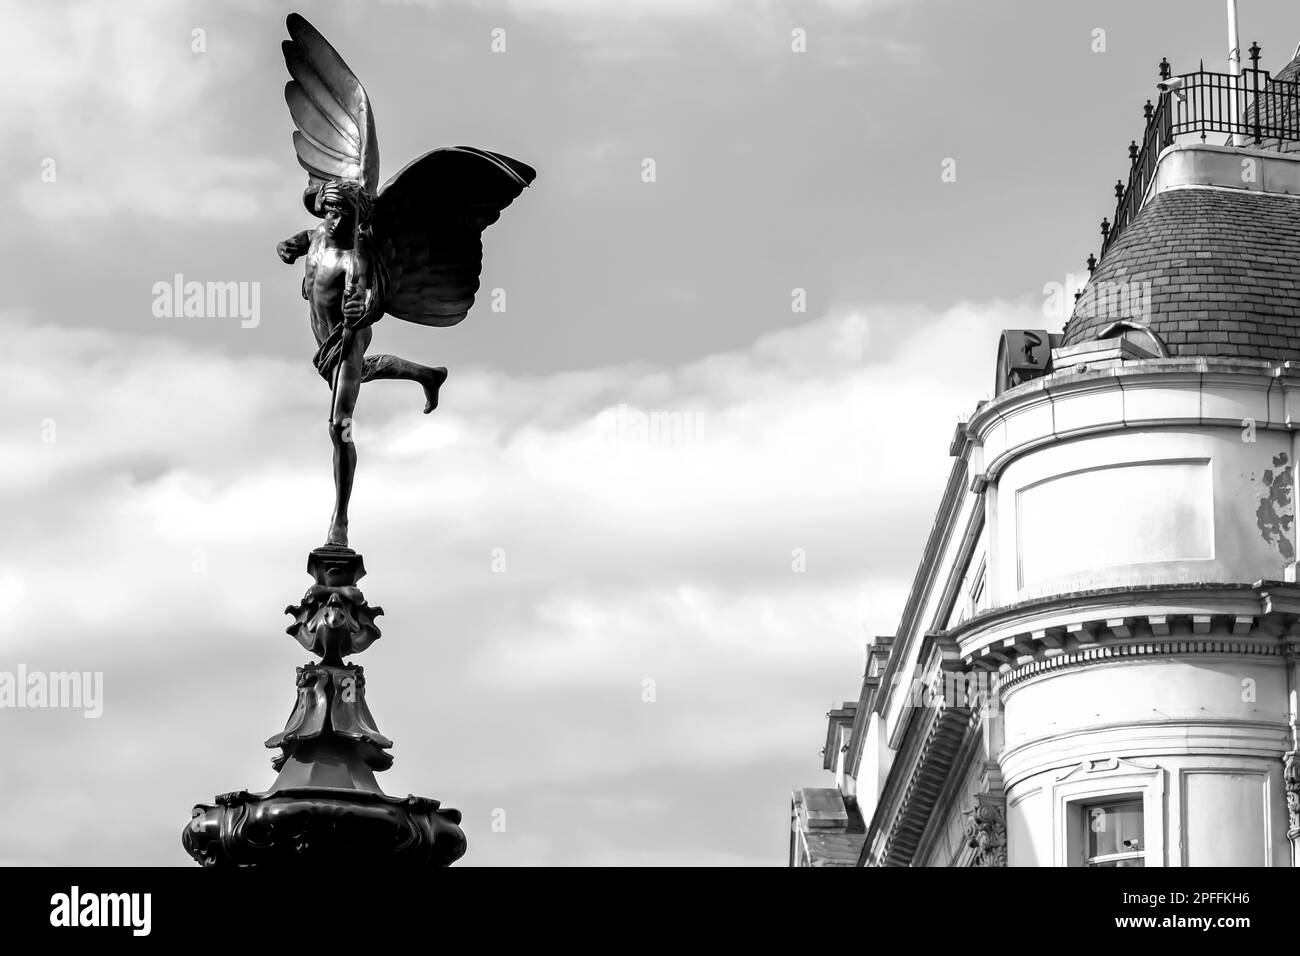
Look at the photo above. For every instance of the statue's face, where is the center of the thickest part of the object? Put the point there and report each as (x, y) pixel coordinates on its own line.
(338, 220)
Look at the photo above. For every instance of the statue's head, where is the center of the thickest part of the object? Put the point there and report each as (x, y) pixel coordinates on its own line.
(344, 205)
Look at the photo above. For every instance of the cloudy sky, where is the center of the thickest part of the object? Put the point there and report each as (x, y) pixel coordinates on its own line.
(164, 477)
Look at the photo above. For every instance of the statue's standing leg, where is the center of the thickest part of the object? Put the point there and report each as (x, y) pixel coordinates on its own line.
(350, 376)
(392, 366)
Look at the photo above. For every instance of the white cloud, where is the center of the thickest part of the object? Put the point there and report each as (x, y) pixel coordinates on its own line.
(163, 530)
(122, 105)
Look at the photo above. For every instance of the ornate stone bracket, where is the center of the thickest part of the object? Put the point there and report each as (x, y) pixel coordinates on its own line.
(1024, 655)
(1291, 784)
(986, 830)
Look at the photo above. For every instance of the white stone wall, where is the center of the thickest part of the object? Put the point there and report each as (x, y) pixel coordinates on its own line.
(1146, 479)
(1146, 506)
(1138, 475)
(1197, 737)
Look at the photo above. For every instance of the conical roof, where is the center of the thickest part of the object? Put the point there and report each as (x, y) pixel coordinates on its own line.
(1213, 270)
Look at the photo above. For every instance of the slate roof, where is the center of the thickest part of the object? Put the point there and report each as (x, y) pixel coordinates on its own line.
(1223, 267)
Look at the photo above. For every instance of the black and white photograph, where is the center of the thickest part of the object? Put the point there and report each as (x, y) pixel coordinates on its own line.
(643, 435)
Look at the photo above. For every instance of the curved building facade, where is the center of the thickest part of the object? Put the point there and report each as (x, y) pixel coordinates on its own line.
(1096, 664)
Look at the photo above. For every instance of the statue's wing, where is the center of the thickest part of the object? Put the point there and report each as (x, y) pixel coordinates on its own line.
(335, 138)
(428, 225)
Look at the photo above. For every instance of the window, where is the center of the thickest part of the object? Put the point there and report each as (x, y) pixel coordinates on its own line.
(1132, 795)
(971, 599)
(977, 587)
(1113, 834)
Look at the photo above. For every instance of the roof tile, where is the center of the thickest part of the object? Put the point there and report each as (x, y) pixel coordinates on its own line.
(1214, 272)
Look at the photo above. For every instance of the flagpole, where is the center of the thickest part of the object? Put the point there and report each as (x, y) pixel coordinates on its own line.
(1234, 70)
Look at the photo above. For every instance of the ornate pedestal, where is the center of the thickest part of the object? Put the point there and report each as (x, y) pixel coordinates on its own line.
(325, 806)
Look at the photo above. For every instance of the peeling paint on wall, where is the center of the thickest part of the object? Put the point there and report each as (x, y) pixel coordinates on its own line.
(1276, 510)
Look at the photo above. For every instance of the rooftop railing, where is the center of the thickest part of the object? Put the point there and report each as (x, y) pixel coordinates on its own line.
(1252, 109)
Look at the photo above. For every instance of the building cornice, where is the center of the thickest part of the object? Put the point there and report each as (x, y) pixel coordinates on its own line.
(1200, 165)
(996, 635)
(1109, 648)
(907, 803)
(952, 792)
(1147, 393)
(842, 716)
(1035, 638)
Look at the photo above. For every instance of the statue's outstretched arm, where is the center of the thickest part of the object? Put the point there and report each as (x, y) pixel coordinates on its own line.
(294, 247)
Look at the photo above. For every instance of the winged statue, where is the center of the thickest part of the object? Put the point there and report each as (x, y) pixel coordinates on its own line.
(411, 249)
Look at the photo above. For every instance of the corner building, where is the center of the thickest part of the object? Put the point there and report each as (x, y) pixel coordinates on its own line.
(1096, 664)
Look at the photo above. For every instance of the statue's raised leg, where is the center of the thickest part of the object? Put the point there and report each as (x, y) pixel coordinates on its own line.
(393, 366)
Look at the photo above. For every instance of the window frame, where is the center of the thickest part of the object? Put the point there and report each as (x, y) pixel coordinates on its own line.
(1110, 804)
(1107, 780)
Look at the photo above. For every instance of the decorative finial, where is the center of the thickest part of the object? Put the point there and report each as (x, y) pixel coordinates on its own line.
(1133, 151)
(1148, 110)
(1092, 263)
(1119, 189)
(1164, 69)
(1105, 231)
